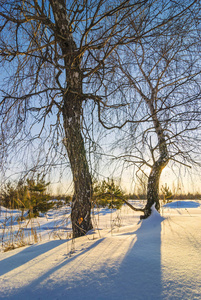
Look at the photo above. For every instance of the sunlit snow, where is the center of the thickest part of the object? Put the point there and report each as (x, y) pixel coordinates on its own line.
(157, 258)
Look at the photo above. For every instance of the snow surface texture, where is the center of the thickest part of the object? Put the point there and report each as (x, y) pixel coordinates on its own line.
(157, 258)
(182, 204)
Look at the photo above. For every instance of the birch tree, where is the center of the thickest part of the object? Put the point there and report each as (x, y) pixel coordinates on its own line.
(160, 81)
(51, 53)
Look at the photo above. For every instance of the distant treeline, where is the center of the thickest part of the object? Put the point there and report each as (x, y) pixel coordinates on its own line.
(172, 197)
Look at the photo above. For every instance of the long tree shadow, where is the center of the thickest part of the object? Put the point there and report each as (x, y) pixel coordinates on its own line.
(26, 255)
(136, 277)
(139, 274)
(32, 291)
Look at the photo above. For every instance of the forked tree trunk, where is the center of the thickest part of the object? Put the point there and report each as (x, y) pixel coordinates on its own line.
(158, 166)
(81, 204)
(153, 188)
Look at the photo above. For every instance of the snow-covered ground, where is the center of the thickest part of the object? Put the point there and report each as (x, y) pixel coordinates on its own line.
(157, 258)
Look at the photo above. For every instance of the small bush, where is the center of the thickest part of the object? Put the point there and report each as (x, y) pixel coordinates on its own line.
(107, 194)
(39, 200)
(31, 196)
(167, 194)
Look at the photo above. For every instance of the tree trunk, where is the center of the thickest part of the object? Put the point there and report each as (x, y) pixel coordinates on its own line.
(158, 166)
(154, 178)
(153, 188)
(81, 203)
(72, 112)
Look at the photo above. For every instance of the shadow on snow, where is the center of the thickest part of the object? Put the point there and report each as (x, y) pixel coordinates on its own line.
(26, 255)
(137, 276)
